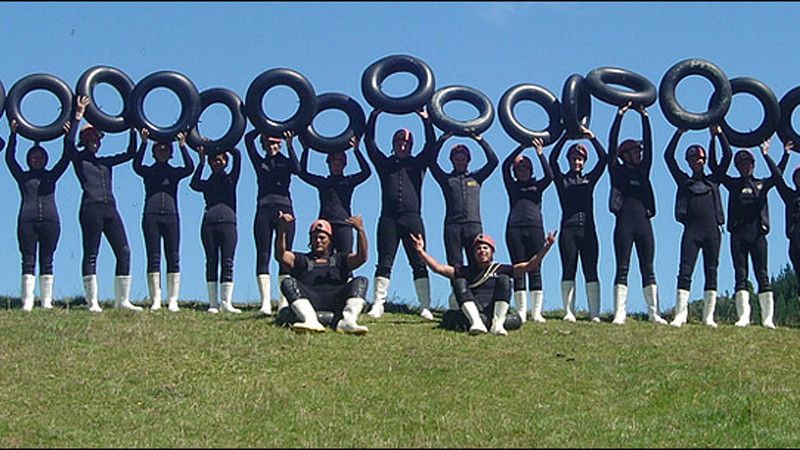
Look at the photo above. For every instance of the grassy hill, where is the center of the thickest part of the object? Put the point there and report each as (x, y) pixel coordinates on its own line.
(192, 379)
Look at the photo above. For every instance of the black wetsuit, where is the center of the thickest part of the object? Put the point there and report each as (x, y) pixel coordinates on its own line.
(160, 218)
(218, 230)
(38, 221)
(401, 201)
(462, 197)
(98, 212)
(748, 223)
(577, 237)
(484, 286)
(791, 198)
(325, 282)
(525, 226)
(633, 203)
(699, 208)
(274, 174)
(335, 198)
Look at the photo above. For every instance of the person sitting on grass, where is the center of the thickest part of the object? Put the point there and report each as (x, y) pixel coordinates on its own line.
(484, 287)
(321, 280)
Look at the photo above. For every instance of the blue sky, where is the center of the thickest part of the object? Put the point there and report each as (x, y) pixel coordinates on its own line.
(489, 46)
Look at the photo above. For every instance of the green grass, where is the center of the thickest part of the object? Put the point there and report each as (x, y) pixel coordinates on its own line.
(192, 379)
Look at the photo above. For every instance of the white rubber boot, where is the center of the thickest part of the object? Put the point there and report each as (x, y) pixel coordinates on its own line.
(122, 292)
(423, 288)
(767, 303)
(709, 305)
(681, 308)
(305, 311)
(27, 285)
(213, 303)
(499, 318)
(620, 299)
(521, 302)
(90, 291)
(173, 287)
(742, 308)
(348, 324)
(282, 302)
(593, 299)
(46, 290)
(568, 300)
(154, 289)
(476, 325)
(537, 297)
(379, 293)
(263, 292)
(226, 298)
(650, 294)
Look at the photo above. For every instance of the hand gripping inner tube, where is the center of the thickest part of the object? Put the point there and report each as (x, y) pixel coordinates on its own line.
(772, 112)
(340, 142)
(182, 87)
(48, 83)
(540, 96)
(231, 137)
(599, 82)
(377, 72)
(576, 105)
(119, 81)
(673, 111)
(786, 130)
(280, 77)
(461, 127)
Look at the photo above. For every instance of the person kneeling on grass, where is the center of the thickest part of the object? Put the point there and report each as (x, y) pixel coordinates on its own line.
(486, 284)
(321, 280)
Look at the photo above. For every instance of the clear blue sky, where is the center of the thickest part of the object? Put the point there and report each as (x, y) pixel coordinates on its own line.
(488, 46)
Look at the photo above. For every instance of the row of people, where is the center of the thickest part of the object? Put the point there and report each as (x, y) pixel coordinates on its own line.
(401, 174)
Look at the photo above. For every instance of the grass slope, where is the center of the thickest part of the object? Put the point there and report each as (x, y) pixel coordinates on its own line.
(192, 379)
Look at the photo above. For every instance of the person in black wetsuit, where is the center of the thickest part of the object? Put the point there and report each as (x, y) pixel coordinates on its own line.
(484, 287)
(578, 237)
(98, 212)
(525, 225)
(321, 280)
(336, 192)
(218, 229)
(748, 224)
(38, 223)
(791, 198)
(274, 174)
(160, 219)
(633, 203)
(401, 176)
(699, 208)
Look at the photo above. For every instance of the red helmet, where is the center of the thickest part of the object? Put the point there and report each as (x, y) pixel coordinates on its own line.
(405, 135)
(86, 132)
(522, 160)
(695, 151)
(483, 239)
(321, 225)
(579, 149)
(460, 148)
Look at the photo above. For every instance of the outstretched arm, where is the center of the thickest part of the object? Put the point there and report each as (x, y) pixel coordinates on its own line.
(520, 269)
(355, 260)
(554, 154)
(442, 269)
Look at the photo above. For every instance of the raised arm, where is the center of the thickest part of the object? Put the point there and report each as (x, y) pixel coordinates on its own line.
(282, 254)
(547, 178)
(613, 134)
(138, 160)
(442, 269)
(788, 146)
(250, 146)
(507, 166)
(521, 268)
(364, 171)
(197, 183)
(125, 156)
(433, 162)
(554, 154)
(669, 157)
(294, 164)
(373, 152)
(236, 170)
(11, 151)
(721, 169)
(428, 150)
(188, 164)
(600, 166)
(491, 159)
(786, 193)
(304, 174)
(357, 259)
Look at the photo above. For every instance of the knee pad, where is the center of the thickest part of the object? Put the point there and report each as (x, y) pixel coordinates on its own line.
(290, 289)
(357, 287)
(462, 291)
(502, 288)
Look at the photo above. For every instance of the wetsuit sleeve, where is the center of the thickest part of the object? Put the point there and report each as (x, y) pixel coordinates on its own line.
(491, 162)
(785, 191)
(365, 171)
(250, 146)
(124, 157)
(600, 167)
(647, 144)
(784, 161)
(548, 173)
(188, 164)
(429, 150)
(719, 171)
(669, 158)
(11, 159)
(294, 164)
(138, 160)
(236, 170)
(558, 175)
(61, 165)
(436, 170)
(197, 183)
(304, 174)
(613, 138)
(373, 152)
(506, 168)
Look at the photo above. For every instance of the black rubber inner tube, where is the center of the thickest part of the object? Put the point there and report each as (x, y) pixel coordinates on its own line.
(576, 105)
(601, 81)
(183, 88)
(673, 111)
(340, 142)
(461, 127)
(39, 81)
(120, 82)
(542, 97)
(295, 81)
(786, 130)
(234, 104)
(374, 76)
(768, 101)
